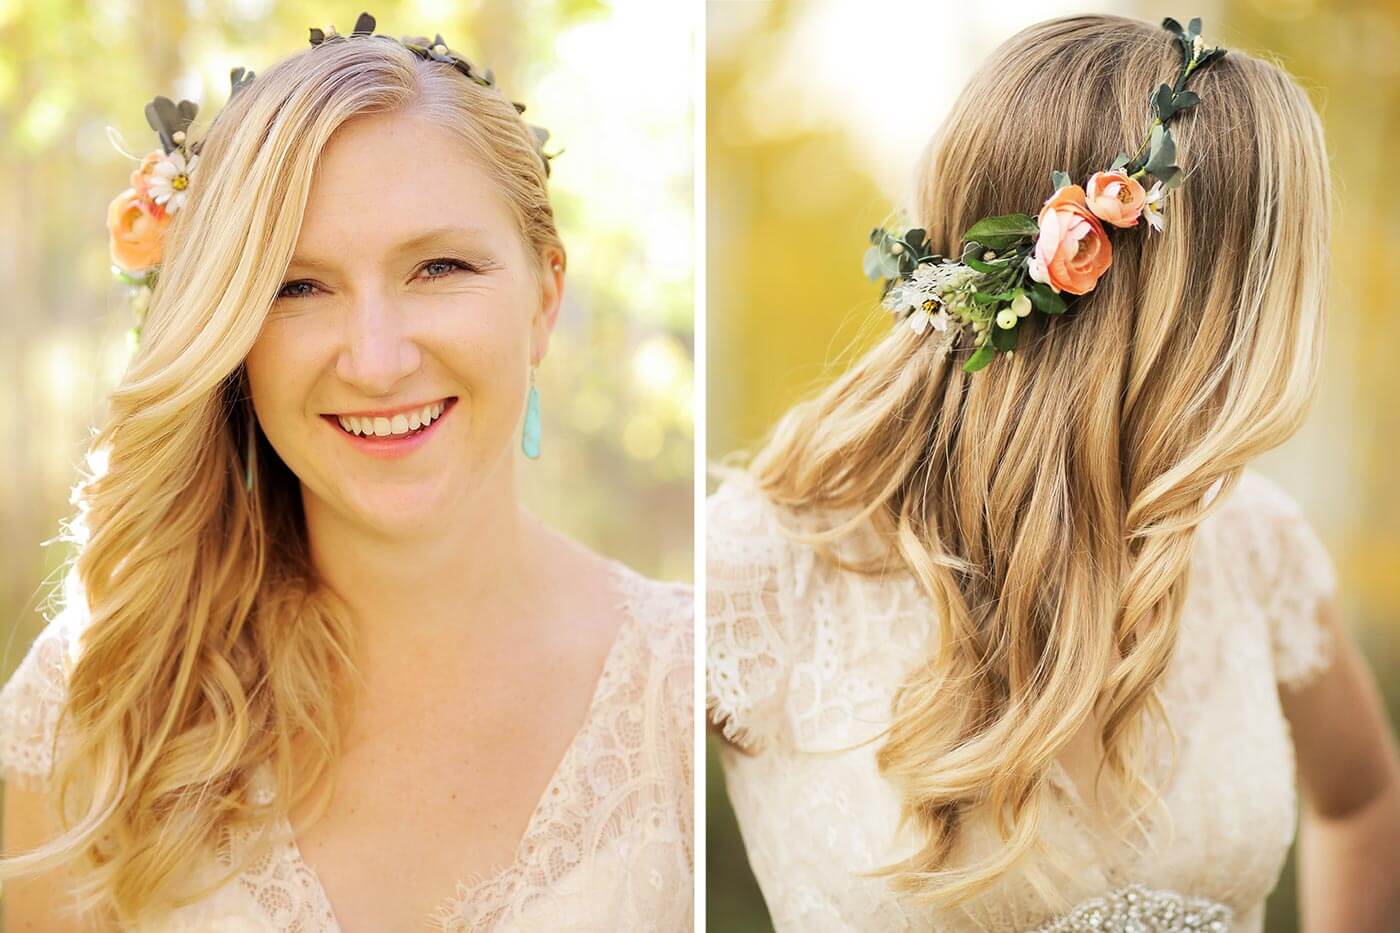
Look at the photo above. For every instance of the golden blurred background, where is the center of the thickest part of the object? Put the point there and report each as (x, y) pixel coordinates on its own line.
(611, 79)
(812, 136)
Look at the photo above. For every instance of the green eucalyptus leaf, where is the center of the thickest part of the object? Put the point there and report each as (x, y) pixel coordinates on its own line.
(162, 116)
(980, 358)
(1046, 299)
(1170, 177)
(1059, 180)
(364, 25)
(1185, 99)
(1163, 151)
(187, 110)
(890, 266)
(1162, 103)
(870, 265)
(238, 79)
(917, 240)
(1193, 28)
(1172, 25)
(1119, 161)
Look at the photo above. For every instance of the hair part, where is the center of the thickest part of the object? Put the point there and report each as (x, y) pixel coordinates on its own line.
(1047, 505)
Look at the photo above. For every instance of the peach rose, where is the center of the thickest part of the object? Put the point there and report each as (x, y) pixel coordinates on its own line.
(136, 231)
(1116, 198)
(1072, 250)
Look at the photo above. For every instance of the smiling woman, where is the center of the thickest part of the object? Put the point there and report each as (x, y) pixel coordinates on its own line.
(316, 666)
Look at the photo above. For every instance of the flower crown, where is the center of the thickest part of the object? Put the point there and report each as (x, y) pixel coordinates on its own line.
(137, 218)
(1015, 263)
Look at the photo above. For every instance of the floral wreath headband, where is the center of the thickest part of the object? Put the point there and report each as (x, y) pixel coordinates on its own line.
(1015, 263)
(137, 218)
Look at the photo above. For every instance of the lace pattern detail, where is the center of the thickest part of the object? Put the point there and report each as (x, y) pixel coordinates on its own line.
(610, 845)
(803, 660)
(1298, 572)
(745, 580)
(285, 891)
(623, 790)
(32, 700)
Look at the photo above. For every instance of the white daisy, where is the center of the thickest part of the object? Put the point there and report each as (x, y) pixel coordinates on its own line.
(170, 180)
(929, 314)
(1152, 208)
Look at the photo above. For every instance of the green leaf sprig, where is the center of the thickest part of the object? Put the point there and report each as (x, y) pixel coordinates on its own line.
(436, 50)
(989, 287)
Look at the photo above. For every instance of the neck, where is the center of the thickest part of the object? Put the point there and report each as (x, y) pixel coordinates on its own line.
(453, 581)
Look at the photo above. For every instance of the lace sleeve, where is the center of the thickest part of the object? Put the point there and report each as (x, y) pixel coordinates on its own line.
(746, 656)
(1297, 574)
(30, 703)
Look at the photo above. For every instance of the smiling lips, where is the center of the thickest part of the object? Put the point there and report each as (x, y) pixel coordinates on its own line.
(404, 422)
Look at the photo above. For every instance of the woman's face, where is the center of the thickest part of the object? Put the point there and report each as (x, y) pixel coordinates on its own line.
(409, 288)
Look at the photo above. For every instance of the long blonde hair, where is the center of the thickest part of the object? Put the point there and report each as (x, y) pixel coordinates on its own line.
(1047, 504)
(210, 643)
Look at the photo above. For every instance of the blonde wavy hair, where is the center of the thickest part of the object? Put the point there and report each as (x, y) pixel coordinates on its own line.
(210, 642)
(1047, 504)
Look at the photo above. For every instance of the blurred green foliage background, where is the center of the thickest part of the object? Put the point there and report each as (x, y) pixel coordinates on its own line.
(815, 114)
(611, 79)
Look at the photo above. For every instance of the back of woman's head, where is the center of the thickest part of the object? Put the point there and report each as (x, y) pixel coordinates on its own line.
(1048, 502)
(210, 643)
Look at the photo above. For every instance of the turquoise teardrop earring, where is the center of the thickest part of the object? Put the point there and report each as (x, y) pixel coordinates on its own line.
(530, 433)
(249, 454)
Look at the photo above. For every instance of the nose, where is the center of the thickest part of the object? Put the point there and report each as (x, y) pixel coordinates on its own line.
(378, 349)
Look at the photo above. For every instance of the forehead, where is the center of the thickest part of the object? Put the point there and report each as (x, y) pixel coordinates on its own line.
(384, 179)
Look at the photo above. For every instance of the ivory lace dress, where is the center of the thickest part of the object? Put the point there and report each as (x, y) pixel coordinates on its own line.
(803, 660)
(608, 847)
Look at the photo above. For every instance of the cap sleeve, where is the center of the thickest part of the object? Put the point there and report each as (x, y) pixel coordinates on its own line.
(1295, 574)
(747, 648)
(31, 701)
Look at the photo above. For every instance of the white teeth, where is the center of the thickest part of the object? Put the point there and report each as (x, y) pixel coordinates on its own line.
(398, 424)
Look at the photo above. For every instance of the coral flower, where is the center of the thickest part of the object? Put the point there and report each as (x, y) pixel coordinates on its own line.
(136, 232)
(1072, 249)
(1116, 198)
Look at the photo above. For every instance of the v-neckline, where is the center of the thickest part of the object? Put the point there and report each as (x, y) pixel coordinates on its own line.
(465, 889)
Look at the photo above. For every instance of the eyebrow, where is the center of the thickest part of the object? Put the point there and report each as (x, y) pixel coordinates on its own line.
(431, 235)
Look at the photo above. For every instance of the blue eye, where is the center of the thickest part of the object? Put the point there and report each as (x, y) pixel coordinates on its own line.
(282, 293)
(450, 263)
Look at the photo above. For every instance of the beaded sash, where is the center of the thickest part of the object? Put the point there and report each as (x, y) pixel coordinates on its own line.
(1137, 909)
